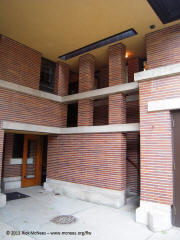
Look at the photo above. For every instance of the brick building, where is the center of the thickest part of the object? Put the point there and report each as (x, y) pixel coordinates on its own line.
(101, 122)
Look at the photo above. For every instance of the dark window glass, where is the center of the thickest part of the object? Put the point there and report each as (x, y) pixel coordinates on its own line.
(47, 75)
(72, 115)
(73, 88)
(18, 146)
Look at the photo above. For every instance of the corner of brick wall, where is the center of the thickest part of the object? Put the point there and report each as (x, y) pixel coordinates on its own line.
(163, 48)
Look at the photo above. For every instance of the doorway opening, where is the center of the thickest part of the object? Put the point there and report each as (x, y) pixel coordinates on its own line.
(24, 161)
(176, 167)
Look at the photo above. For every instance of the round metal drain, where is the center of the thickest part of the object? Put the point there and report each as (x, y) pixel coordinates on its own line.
(64, 219)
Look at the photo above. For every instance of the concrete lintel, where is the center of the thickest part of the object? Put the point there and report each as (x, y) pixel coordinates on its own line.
(24, 127)
(101, 93)
(160, 72)
(128, 127)
(93, 194)
(30, 91)
(164, 104)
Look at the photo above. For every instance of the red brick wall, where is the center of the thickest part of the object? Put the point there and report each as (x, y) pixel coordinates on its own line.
(61, 87)
(19, 63)
(24, 108)
(90, 159)
(85, 112)
(162, 46)
(117, 65)
(86, 73)
(117, 109)
(61, 79)
(86, 83)
(156, 141)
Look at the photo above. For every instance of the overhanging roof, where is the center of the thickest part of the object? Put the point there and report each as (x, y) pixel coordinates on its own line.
(57, 27)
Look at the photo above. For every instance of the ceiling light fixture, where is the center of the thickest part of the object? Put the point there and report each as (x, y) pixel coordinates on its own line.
(117, 37)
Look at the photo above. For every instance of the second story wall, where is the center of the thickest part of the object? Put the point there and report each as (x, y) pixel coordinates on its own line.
(24, 108)
(19, 63)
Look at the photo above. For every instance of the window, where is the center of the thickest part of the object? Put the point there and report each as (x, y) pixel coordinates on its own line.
(47, 75)
(18, 146)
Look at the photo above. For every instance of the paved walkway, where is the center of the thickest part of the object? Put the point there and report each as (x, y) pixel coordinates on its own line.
(94, 222)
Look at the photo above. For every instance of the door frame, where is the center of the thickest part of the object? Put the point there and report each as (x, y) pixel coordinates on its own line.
(28, 182)
(174, 160)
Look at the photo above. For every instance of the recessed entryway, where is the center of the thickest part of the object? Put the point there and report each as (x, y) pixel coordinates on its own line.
(176, 167)
(24, 160)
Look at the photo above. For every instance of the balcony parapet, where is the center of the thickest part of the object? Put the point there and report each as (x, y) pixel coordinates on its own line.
(93, 94)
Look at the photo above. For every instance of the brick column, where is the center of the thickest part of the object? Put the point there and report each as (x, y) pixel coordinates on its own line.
(1, 152)
(61, 88)
(86, 83)
(117, 102)
(117, 65)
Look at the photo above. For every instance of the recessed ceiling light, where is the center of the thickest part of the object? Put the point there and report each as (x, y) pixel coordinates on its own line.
(152, 26)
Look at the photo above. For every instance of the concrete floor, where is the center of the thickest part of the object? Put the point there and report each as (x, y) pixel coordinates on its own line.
(104, 223)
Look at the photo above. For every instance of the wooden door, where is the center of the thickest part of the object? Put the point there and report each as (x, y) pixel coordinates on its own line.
(32, 161)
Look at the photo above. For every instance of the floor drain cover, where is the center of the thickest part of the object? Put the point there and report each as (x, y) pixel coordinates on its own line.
(64, 219)
(15, 195)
